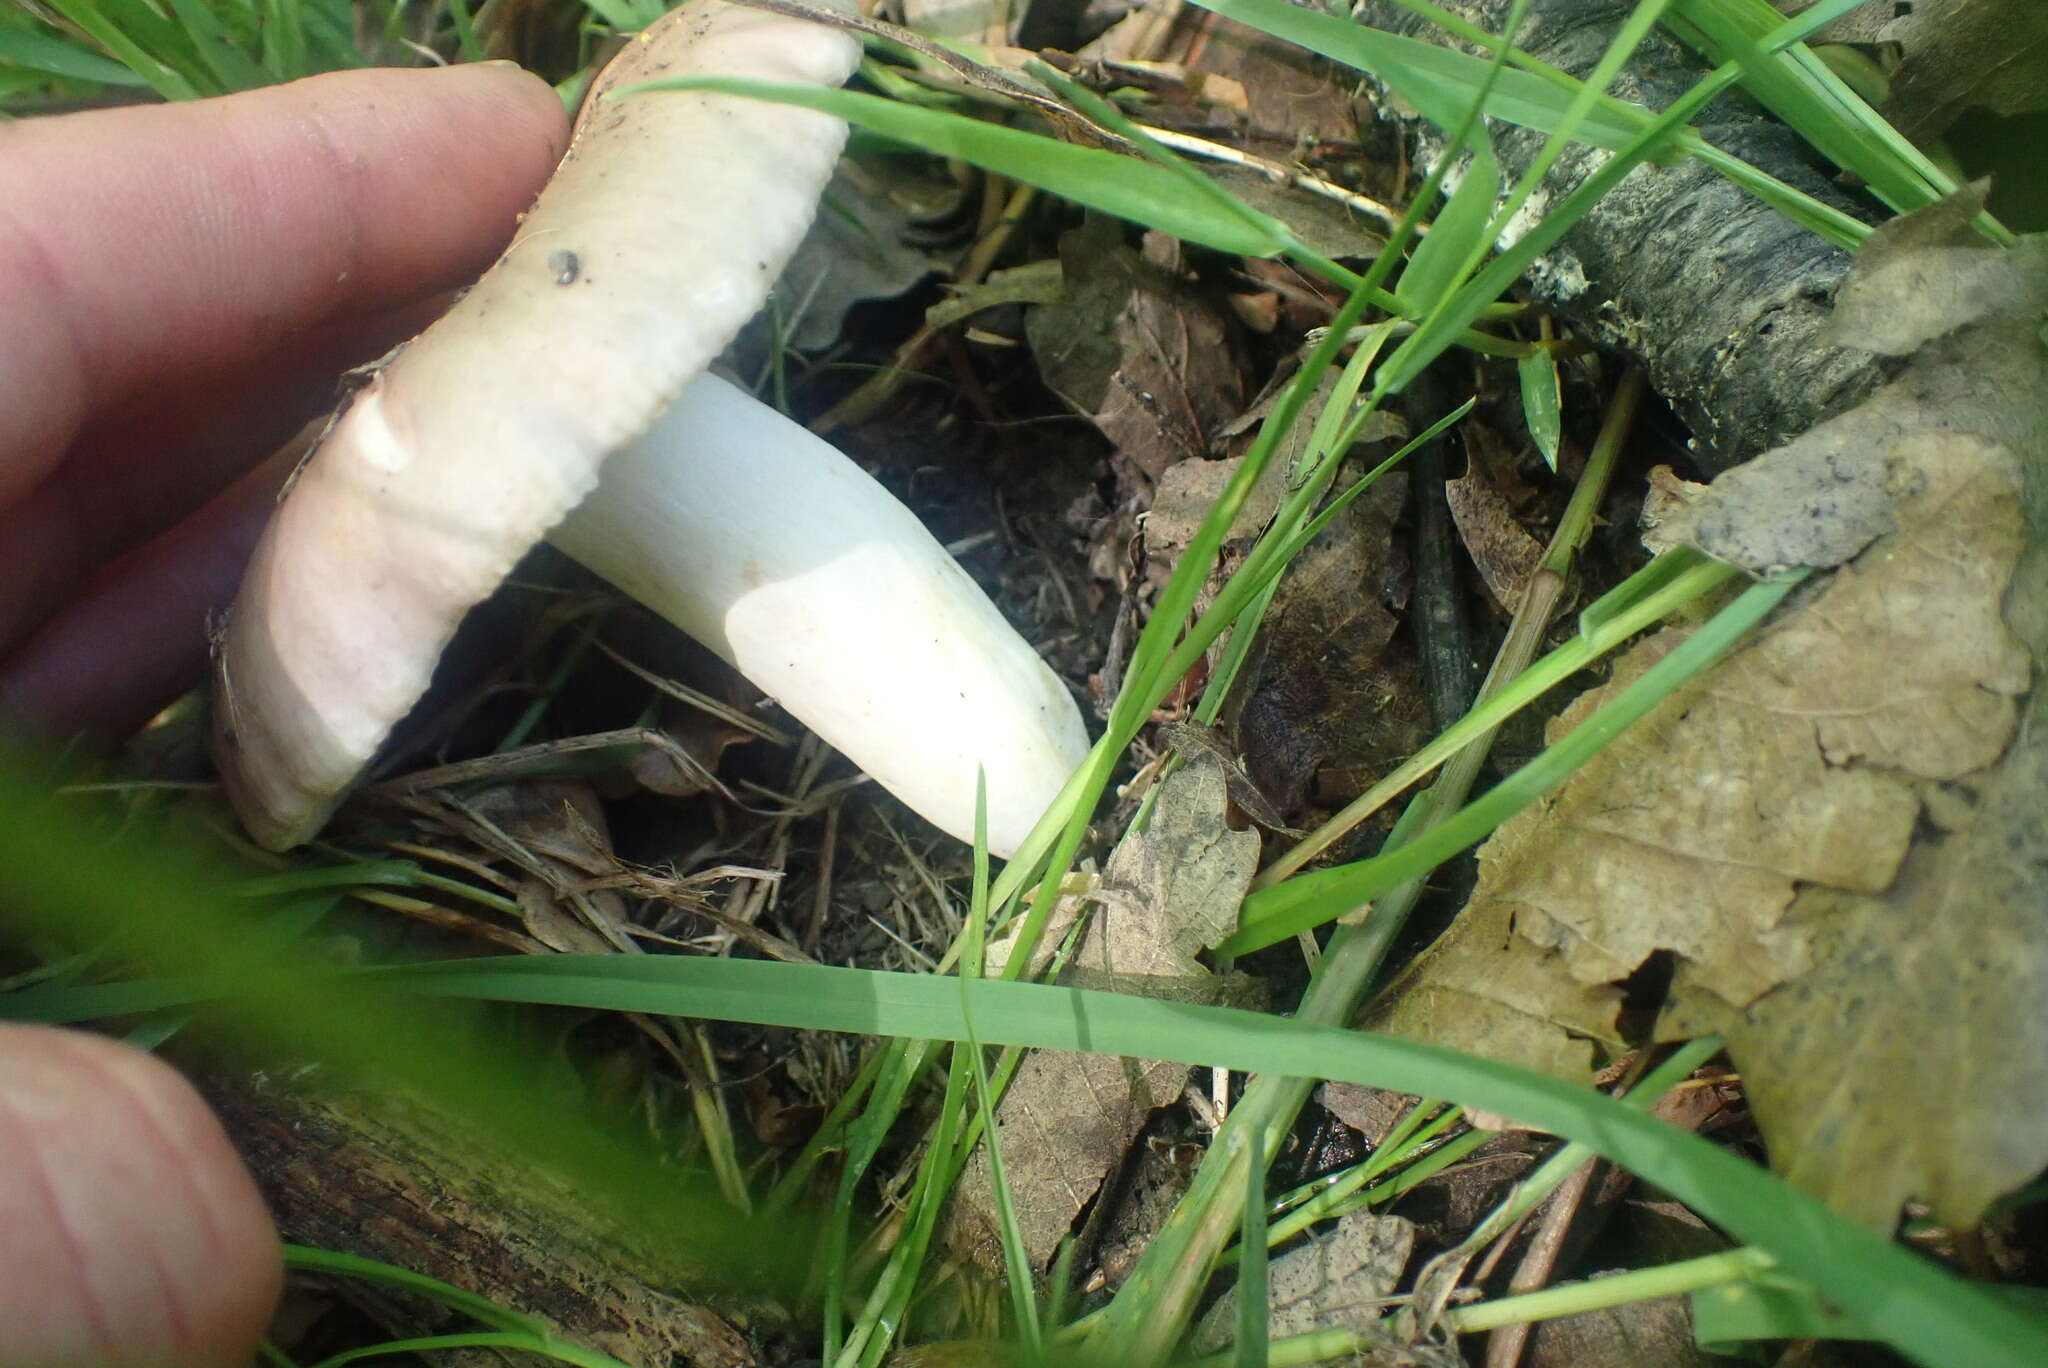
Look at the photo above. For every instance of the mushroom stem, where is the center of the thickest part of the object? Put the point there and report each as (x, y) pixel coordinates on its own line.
(775, 550)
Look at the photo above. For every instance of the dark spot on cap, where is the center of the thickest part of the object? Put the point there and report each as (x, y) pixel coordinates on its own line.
(565, 267)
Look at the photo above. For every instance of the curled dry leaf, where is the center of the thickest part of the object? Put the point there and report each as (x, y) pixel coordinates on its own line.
(1503, 551)
(1131, 346)
(1836, 835)
(1666, 519)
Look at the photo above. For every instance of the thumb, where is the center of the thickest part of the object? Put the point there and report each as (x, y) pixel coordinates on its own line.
(134, 1236)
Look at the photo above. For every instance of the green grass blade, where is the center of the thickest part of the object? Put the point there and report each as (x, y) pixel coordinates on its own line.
(1106, 114)
(1127, 187)
(874, 1333)
(1458, 235)
(465, 31)
(544, 1345)
(1726, 1318)
(1818, 16)
(232, 68)
(1439, 82)
(1436, 332)
(55, 56)
(305, 1259)
(1015, 1261)
(1908, 1301)
(169, 906)
(1661, 593)
(1804, 92)
(284, 40)
(622, 16)
(864, 1140)
(1634, 29)
(1655, 579)
(288, 923)
(92, 20)
(1542, 402)
(330, 40)
(1252, 1282)
(1536, 95)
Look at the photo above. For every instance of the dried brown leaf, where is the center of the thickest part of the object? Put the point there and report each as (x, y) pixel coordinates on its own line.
(1667, 517)
(1135, 349)
(1962, 54)
(864, 247)
(1331, 694)
(1188, 489)
(1372, 1112)
(1927, 274)
(557, 819)
(1295, 98)
(1067, 1120)
(1835, 833)
(1332, 226)
(1487, 990)
(554, 925)
(1925, 998)
(1502, 550)
(1345, 1278)
(1790, 766)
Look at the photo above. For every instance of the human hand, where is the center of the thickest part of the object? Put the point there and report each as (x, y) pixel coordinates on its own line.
(181, 286)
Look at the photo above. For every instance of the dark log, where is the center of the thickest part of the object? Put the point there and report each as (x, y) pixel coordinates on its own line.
(1718, 295)
(403, 1182)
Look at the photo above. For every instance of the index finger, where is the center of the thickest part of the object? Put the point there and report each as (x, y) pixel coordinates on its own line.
(151, 245)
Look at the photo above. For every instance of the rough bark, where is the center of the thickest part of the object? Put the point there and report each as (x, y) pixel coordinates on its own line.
(1719, 295)
(375, 1176)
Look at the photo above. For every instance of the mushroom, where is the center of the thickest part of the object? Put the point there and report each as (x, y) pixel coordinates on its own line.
(660, 233)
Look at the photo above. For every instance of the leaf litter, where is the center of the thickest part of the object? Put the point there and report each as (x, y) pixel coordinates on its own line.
(1136, 350)
(1168, 893)
(1838, 836)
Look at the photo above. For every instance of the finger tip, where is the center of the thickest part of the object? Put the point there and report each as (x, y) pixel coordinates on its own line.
(138, 1237)
(509, 88)
(504, 114)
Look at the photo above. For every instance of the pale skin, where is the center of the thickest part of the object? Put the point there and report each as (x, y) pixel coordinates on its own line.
(182, 285)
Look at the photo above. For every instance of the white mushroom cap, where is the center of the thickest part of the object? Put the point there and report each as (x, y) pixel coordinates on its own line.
(659, 235)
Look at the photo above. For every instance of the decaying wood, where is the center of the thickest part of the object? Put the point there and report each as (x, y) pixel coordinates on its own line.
(1719, 295)
(373, 1175)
